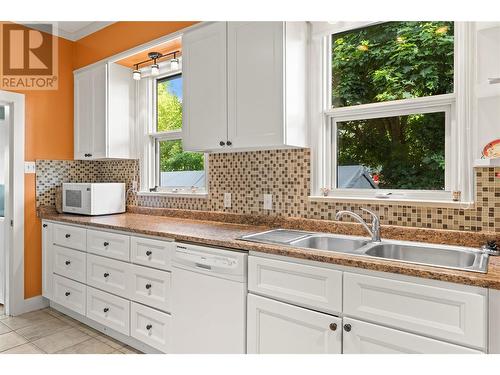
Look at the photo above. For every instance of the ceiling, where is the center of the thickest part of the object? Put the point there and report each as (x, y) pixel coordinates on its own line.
(163, 48)
(72, 30)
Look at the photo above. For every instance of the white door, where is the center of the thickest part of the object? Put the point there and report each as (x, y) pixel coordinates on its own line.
(83, 114)
(90, 113)
(279, 328)
(47, 265)
(255, 84)
(366, 338)
(204, 75)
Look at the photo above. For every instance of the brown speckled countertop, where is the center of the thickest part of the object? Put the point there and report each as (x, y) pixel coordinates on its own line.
(224, 234)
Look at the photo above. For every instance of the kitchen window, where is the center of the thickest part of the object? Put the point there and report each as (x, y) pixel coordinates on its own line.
(389, 125)
(172, 169)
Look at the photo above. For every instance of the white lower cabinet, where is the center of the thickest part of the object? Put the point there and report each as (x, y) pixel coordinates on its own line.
(108, 274)
(69, 263)
(275, 327)
(110, 310)
(70, 294)
(151, 327)
(151, 287)
(366, 338)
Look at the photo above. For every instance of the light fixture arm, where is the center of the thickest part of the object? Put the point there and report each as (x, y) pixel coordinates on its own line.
(154, 56)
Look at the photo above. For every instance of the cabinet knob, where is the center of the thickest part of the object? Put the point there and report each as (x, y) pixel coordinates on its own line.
(106, 309)
(67, 294)
(229, 143)
(148, 286)
(106, 274)
(222, 143)
(67, 235)
(149, 252)
(333, 326)
(67, 262)
(44, 225)
(106, 244)
(347, 327)
(149, 326)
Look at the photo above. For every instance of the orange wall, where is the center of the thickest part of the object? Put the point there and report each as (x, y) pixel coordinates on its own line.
(49, 119)
(119, 37)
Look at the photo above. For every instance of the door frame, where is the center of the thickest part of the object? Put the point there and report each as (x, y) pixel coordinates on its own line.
(15, 303)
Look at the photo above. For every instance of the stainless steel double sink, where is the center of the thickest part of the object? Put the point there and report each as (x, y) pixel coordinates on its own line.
(452, 257)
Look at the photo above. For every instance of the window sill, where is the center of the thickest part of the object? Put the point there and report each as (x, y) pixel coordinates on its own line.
(169, 194)
(394, 201)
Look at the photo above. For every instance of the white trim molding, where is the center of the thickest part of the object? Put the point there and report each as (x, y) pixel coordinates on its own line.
(457, 107)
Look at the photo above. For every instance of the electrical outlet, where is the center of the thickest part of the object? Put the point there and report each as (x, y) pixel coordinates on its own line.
(227, 200)
(134, 185)
(29, 167)
(268, 201)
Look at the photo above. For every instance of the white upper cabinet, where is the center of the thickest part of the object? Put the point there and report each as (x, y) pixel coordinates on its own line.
(258, 100)
(204, 87)
(103, 112)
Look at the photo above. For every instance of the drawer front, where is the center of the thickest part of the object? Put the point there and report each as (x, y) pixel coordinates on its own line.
(309, 286)
(151, 327)
(70, 294)
(111, 245)
(108, 274)
(435, 311)
(70, 263)
(151, 287)
(72, 237)
(280, 328)
(367, 338)
(112, 311)
(152, 253)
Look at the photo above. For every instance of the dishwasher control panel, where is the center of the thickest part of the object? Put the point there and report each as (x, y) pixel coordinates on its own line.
(211, 259)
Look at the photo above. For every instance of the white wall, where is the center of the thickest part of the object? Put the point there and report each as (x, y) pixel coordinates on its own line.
(3, 147)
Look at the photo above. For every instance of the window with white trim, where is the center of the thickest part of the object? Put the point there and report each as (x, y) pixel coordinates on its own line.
(172, 169)
(389, 119)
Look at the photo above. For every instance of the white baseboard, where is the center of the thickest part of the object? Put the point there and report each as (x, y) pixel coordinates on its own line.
(30, 304)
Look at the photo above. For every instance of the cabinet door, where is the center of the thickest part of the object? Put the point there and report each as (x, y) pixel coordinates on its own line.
(279, 328)
(83, 114)
(255, 84)
(47, 259)
(366, 338)
(204, 88)
(90, 113)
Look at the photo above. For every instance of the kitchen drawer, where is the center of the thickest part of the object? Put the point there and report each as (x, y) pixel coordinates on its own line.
(367, 338)
(111, 245)
(152, 253)
(456, 314)
(72, 237)
(108, 274)
(151, 287)
(70, 294)
(308, 286)
(69, 263)
(151, 327)
(107, 309)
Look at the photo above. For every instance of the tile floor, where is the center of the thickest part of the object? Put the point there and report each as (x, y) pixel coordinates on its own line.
(49, 331)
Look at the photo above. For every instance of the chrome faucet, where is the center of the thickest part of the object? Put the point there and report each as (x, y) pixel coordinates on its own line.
(374, 231)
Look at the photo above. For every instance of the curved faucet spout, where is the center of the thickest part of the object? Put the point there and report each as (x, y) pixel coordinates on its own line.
(375, 229)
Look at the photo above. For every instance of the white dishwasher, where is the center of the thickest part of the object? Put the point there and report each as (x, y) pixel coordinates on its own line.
(209, 293)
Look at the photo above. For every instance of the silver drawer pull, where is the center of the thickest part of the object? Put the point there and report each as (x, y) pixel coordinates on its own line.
(67, 294)
(106, 309)
(148, 327)
(149, 253)
(67, 235)
(67, 263)
(106, 274)
(148, 286)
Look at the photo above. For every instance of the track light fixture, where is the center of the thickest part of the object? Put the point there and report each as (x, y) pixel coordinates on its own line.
(155, 68)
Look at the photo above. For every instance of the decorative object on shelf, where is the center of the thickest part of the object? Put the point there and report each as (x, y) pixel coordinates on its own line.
(325, 191)
(456, 195)
(492, 149)
(155, 68)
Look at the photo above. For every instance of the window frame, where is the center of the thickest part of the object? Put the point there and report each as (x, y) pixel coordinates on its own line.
(153, 141)
(324, 117)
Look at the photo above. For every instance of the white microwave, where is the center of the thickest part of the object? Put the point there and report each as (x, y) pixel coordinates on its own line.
(93, 198)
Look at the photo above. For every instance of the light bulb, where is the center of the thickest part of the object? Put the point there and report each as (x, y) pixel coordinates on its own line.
(174, 64)
(155, 70)
(136, 75)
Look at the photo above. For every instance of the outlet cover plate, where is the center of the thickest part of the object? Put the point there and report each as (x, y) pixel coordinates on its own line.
(227, 200)
(268, 201)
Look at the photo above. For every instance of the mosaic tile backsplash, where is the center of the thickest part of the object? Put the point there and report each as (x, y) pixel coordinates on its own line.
(286, 175)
